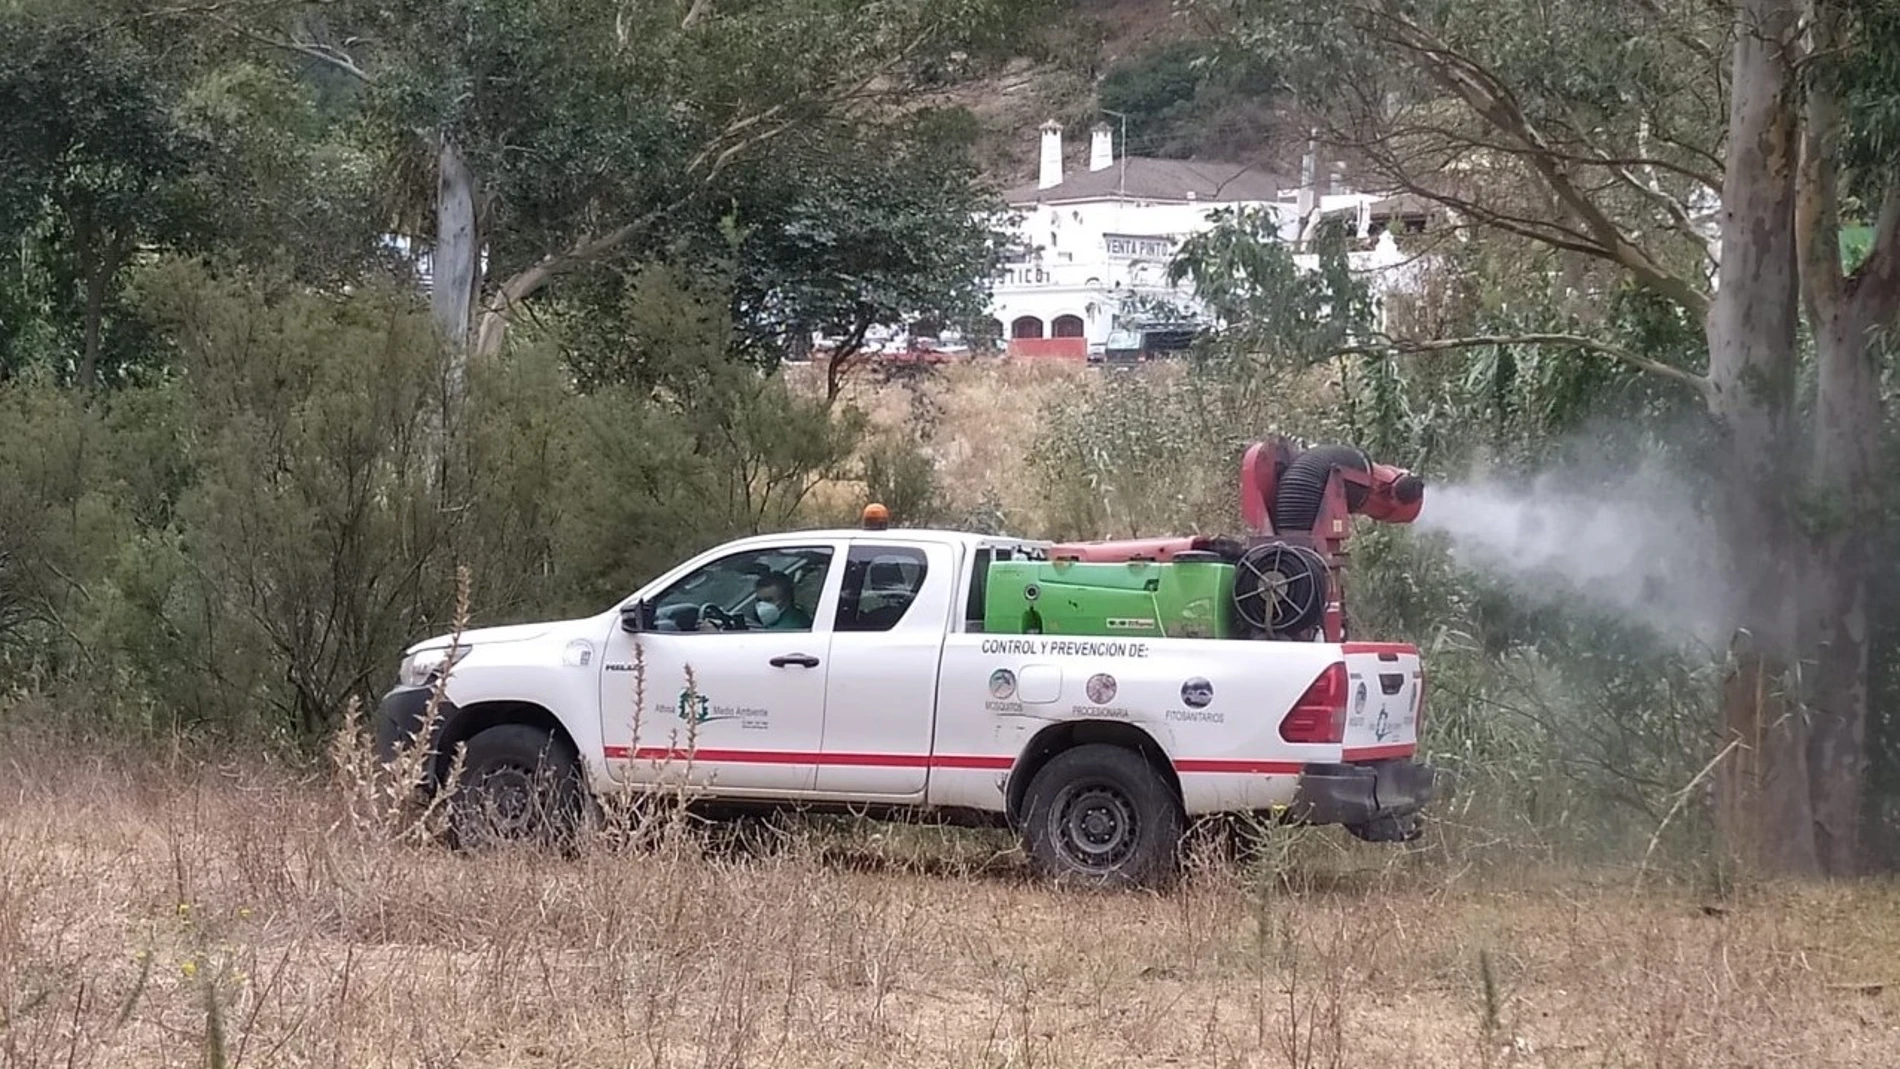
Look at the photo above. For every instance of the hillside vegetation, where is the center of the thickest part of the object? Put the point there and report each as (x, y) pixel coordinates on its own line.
(252, 441)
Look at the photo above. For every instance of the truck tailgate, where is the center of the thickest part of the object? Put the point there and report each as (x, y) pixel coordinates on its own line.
(1386, 700)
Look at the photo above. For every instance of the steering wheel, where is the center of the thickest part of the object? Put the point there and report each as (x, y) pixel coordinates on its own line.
(724, 620)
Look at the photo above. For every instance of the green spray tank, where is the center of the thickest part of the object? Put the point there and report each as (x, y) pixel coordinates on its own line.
(1282, 582)
(1186, 596)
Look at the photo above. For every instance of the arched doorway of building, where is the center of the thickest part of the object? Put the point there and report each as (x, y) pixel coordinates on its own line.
(1026, 327)
(1068, 327)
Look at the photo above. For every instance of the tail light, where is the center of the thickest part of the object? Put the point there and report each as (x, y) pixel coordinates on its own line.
(1320, 714)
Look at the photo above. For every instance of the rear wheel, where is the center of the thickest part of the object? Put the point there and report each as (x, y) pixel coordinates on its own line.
(1101, 815)
(519, 784)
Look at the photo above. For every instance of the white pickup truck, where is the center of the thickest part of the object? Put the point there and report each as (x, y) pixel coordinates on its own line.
(875, 690)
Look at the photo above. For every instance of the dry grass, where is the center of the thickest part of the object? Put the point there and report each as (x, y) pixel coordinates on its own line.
(235, 916)
(979, 422)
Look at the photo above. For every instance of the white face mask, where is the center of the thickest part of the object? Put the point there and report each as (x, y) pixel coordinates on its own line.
(768, 613)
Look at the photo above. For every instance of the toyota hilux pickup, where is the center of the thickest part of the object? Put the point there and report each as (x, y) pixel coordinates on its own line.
(862, 670)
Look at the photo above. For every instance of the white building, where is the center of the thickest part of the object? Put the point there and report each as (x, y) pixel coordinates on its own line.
(1088, 241)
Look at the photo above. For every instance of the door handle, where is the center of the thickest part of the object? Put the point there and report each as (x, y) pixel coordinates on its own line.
(802, 660)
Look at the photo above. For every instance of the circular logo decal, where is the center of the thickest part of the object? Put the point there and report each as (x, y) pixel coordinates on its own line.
(1359, 699)
(1002, 684)
(1101, 688)
(1197, 693)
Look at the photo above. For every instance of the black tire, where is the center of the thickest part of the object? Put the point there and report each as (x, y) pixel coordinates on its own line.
(519, 784)
(1100, 815)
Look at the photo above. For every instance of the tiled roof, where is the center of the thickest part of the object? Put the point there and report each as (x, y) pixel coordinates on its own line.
(1155, 179)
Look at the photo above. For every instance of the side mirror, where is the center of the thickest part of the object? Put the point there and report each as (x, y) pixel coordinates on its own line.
(637, 617)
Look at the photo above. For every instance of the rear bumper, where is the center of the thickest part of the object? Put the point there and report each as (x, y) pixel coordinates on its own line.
(1382, 792)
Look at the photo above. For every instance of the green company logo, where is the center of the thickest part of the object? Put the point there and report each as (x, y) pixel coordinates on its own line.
(694, 708)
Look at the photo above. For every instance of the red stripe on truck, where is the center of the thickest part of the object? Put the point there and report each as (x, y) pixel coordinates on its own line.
(889, 760)
(798, 757)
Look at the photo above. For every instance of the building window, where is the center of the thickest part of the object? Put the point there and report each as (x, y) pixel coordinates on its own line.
(1026, 327)
(1069, 326)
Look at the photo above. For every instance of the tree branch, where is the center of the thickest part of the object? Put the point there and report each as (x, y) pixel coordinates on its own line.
(321, 53)
(1596, 155)
(1698, 383)
(847, 350)
(1492, 101)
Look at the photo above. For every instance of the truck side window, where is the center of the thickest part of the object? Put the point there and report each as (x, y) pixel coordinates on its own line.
(880, 583)
(727, 595)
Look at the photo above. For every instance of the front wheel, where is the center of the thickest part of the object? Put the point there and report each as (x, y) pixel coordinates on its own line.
(1101, 815)
(519, 784)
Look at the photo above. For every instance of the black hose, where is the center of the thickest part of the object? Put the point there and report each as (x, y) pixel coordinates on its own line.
(1301, 490)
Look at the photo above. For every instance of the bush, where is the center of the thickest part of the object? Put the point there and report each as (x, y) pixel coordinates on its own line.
(242, 546)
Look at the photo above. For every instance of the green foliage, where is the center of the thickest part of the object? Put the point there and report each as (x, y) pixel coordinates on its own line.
(903, 478)
(836, 237)
(95, 166)
(1264, 304)
(869, 231)
(261, 508)
(311, 526)
(605, 135)
(1184, 99)
(243, 546)
(1140, 453)
(121, 138)
(1155, 91)
(1867, 78)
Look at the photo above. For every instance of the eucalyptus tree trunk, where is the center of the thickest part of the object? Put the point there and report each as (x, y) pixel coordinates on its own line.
(1763, 804)
(457, 267)
(1847, 319)
(1796, 706)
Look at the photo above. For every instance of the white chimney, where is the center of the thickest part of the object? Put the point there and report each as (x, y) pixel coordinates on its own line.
(1102, 148)
(1051, 173)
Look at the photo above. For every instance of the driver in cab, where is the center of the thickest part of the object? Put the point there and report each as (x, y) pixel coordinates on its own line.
(774, 607)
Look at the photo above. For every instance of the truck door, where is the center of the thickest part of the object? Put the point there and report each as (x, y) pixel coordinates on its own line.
(887, 640)
(754, 717)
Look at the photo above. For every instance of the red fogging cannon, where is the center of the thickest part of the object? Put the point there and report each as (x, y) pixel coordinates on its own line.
(1299, 506)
